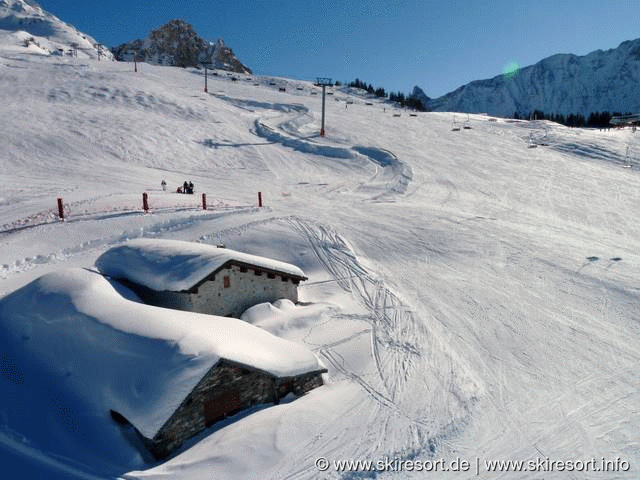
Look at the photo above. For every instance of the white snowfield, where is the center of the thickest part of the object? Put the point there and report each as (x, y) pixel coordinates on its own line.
(471, 297)
(173, 265)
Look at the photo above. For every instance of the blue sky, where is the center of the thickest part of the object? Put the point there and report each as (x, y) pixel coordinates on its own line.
(437, 45)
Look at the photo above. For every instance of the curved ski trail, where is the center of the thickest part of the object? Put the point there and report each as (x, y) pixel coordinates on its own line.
(392, 175)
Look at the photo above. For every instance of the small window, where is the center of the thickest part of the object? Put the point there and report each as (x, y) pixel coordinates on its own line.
(226, 281)
(271, 275)
(243, 269)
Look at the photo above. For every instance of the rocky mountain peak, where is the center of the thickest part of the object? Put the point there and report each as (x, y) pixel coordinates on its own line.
(177, 43)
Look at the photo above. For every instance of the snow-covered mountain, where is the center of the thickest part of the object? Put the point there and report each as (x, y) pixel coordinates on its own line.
(564, 84)
(177, 43)
(25, 25)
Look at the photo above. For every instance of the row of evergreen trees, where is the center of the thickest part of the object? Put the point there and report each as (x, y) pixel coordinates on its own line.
(409, 101)
(403, 100)
(378, 92)
(594, 120)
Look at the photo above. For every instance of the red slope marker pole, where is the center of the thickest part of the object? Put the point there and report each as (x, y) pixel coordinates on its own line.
(259, 199)
(145, 202)
(204, 201)
(60, 209)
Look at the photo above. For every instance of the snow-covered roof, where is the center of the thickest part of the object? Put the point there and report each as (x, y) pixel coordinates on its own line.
(173, 265)
(74, 327)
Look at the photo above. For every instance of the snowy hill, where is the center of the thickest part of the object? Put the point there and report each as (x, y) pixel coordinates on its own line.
(177, 43)
(471, 297)
(561, 84)
(25, 25)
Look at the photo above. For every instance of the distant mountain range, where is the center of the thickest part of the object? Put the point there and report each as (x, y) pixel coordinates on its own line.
(177, 43)
(24, 24)
(560, 84)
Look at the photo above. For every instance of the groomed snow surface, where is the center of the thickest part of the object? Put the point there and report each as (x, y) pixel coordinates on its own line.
(471, 297)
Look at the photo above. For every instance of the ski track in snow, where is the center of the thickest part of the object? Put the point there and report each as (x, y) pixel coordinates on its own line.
(590, 151)
(44, 462)
(404, 355)
(402, 350)
(288, 134)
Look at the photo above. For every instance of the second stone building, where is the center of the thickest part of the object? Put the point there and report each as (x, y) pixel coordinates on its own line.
(199, 277)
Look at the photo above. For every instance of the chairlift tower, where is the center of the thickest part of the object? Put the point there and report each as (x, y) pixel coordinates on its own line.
(627, 161)
(324, 83)
(206, 65)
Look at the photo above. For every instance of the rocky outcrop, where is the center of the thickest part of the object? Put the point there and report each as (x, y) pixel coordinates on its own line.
(177, 43)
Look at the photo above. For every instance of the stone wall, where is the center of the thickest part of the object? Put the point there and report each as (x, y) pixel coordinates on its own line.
(233, 290)
(298, 385)
(226, 389)
(303, 383)
(228, 293)
(254, 387)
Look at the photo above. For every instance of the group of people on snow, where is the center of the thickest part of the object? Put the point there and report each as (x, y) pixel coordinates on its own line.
(186, 187)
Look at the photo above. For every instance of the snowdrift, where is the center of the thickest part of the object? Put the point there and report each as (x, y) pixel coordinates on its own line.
(75, 348)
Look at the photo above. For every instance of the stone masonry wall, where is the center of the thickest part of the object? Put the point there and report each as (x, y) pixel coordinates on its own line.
(253, 387)
(249, 387)
(243, 288)
(303, 383)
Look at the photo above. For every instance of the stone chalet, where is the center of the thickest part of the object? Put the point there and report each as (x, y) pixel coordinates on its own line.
(156, 376)
(198, 277)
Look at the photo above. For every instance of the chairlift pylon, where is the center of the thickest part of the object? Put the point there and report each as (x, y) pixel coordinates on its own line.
(627, 160)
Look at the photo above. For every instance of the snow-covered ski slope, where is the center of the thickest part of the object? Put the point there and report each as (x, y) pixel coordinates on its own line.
(472, 297)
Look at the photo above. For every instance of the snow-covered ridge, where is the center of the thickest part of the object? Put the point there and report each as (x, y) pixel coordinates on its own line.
(24, 24)
(560, 84)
